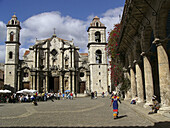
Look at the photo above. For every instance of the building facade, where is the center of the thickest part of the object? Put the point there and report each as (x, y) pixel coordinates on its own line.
(145, 49)
(55, 64)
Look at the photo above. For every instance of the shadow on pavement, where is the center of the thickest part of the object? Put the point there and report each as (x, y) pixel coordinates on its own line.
(156, 125)
(121, 116)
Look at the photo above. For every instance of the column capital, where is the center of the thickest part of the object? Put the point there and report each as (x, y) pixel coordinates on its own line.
(146, 54)
(157, 42)
(129, 66)
(143, 54)
(124, 69)
(137, 61)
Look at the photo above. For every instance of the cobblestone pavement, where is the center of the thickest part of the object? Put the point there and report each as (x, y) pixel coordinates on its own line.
(79, 112)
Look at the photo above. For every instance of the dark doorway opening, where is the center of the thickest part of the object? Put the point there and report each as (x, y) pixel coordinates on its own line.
(54, 84)
(26, 85)
(82, 87)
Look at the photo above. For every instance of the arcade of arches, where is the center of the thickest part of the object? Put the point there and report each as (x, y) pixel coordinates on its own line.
(145, 47)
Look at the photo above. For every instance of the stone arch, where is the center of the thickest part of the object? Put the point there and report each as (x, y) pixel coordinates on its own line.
(97, 36)
(10, 55)
(98, 54)
(163, 50)
(161, 20)
(150, 50)
(12, 36)
(163, 27)
(145, 41)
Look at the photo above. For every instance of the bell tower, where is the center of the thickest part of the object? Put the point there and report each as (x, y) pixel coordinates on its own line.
(97, 56)
(12, 52)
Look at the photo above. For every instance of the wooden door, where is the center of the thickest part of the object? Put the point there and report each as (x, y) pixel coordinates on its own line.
(82, 87)
(56, 84)
(26, 85)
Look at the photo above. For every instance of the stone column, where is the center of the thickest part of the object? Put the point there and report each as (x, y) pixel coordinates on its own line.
(70, 57)
(148, 79)
(46, 83)
(139, 81)
(133, 82)
(164, 73)
(38, 58)
(126, 76)
(73, 58)
(38, 82)
(46, 59)
(33, 80)
(73, 82)
(18, 88)
(60, 81)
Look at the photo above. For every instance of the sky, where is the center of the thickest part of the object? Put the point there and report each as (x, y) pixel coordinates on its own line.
(70, 18)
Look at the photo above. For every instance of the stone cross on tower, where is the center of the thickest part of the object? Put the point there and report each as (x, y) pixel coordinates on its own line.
(54, 30)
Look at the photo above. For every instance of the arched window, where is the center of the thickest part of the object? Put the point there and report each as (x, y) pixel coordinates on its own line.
(97, 24)
(98, 57)
(25, 74)
(12, 22)
(10, 55)
(97, 37)
(81, 74)
(11, 36)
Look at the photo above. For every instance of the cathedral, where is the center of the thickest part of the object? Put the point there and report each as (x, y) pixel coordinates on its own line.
(55, 64)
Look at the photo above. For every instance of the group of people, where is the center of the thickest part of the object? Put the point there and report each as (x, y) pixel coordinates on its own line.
(15, 98)
(21, 98)
(59, 95)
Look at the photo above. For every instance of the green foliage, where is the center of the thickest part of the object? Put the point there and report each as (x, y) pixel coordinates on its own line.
(125, 85)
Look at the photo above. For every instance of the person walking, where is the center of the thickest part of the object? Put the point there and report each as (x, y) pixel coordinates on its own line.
(35, 99)
(114, 102)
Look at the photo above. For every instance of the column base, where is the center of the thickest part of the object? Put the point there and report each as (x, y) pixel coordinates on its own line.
(165, 111)
(146, 105)
(140, 101)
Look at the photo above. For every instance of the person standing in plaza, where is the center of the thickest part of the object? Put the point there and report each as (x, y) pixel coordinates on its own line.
(114, 102)
(92, 95)
(71, 96)
(102, 94)
(63, 96)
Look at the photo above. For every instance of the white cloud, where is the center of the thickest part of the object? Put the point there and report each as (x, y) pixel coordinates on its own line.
(21, 52)
(2, 41)
(41, 27)
(113, 12)
(111, 17)
(2, 32)
(2, 53)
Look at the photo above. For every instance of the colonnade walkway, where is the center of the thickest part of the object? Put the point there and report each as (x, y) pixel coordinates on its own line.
(79, 112)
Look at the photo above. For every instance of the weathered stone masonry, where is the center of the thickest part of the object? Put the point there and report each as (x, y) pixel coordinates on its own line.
(145, 38)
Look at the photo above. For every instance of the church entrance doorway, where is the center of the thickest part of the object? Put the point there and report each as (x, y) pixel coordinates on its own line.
(26, 85)
(54, 84)
(82, 87)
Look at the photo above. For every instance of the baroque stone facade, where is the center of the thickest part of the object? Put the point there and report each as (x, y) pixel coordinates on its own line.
(145, 49)
(55, 64)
